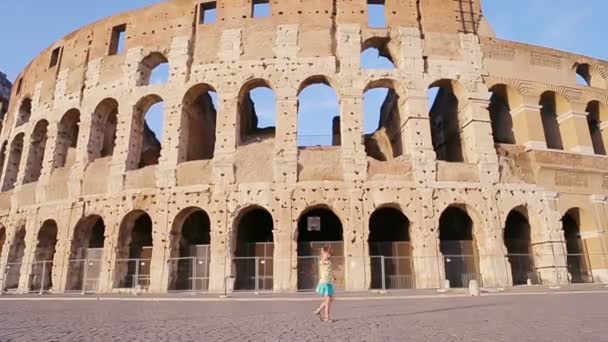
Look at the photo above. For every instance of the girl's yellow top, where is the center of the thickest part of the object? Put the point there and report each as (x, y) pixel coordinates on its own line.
(326, 272)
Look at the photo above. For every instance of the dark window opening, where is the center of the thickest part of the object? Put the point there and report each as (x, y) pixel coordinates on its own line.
(25, 112)
(190, 254)
(118, 39)
(208, 12)
(103, 132)
(86, 255)
(549, 114)
(199, 119)
(595, 129)
(457, 244)
(55, 57)
(254, 251)
(579, 269)
(44, 253)
(260, 8)
(13, 163)
(376, 13)
(134, 251)
(390, 250)
(382, 124)
(445, 124)
(500, 116)
(257, 112)
(33, 167)
(318, 228)
(519, 249)
(67, 139)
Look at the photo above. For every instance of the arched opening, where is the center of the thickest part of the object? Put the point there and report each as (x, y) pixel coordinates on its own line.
(103, 129)
(15, 258)
(445, 121)
(551, 107)
(502, 102)
(596, 112)
(67, 138)
(86, 254)
(382, 121)
(318, 114)
(134, 251)
(199, 119)
(319, 227)
(42, 267)
(25, 112)
(148, 122)
(257, 108)
(14, 160)
(153, 69)
(579, 268)
(458, 247)
(33, 167)
(587, 75)
(375, 54)
(190, 253)
(254, 251)
(519, 248)
(390, 250)
(3, 157)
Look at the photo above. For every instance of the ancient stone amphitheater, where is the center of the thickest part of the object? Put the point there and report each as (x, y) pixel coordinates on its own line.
(500, 175)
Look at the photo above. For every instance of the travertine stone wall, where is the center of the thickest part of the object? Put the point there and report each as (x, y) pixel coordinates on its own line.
(431, 42)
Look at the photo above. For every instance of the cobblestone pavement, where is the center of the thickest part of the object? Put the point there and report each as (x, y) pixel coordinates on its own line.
(534, 317)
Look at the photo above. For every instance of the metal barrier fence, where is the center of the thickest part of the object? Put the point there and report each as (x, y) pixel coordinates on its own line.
(253, 273)
(192, 274)
(188, 274)
(83, 275)
(132, 274)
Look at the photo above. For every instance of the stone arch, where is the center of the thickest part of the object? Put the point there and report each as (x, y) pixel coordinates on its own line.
(3, 156)
(104, 124)
(385, 142)
(149, 65)
(25, 112)
(252, 232)
(390, 249)
(590, 75)
(86, 253)
(574, 222)
(147, 148)
(446, 115)
(189, 250)
(517, 237)
(38, 139)
(380, 49)
(199, 120)
(67, 139)
(249, 112)
(13, 163)
(458, 246)
(134, 251)
(16, 253)
(553, 106)
(42, 267)
(597, 120)
(311, 129)
(503, 101)
(311, 241)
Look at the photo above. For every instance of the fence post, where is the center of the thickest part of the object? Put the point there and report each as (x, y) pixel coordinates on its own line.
(194, 260)
(256, 269)
(4, 275)
(383, 272)
(42, 278)
(85, 275)
(136, 275)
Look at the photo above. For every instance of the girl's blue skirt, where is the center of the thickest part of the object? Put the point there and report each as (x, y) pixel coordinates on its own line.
(326, 289)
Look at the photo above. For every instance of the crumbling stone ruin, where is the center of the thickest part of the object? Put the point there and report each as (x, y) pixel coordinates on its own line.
(503, 178)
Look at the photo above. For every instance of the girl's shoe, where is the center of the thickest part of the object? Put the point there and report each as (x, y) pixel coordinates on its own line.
(328, 320)
(318, 315)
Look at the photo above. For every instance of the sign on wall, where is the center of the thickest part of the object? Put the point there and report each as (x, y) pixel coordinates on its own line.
(314, 224)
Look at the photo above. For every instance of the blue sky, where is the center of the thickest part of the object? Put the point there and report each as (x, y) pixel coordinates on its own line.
(578, 26)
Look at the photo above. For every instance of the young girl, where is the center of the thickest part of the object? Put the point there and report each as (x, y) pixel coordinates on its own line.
(326, 285)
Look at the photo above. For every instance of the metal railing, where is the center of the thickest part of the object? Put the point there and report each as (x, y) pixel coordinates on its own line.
(132, 274)
(253, 273)
(83, 275)
(188, 274)
(392, 273)
(41, 277)
(10, 280)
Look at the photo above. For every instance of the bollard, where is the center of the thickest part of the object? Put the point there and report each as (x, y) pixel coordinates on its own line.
(474, 288)
(529, 282)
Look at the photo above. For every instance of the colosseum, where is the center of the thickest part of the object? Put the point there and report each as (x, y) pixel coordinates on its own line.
(487, 161)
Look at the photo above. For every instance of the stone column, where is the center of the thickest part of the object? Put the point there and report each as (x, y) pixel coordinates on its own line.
(220, 263)
(83, 156)
(575, 132)
(160, 245)
(63, 249)
(476, 135)
(528, 126)
(547, 239)
(108, 262)
(48, 162)
(424, 234)
(354, 158)
(416, 136)
(31, 242)
(286, 138)
(166, 172)
(283, 243)
(355, 247)
(226, 135)
(603, 129)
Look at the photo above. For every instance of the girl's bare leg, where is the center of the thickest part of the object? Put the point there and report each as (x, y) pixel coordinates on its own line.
(327, 305)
